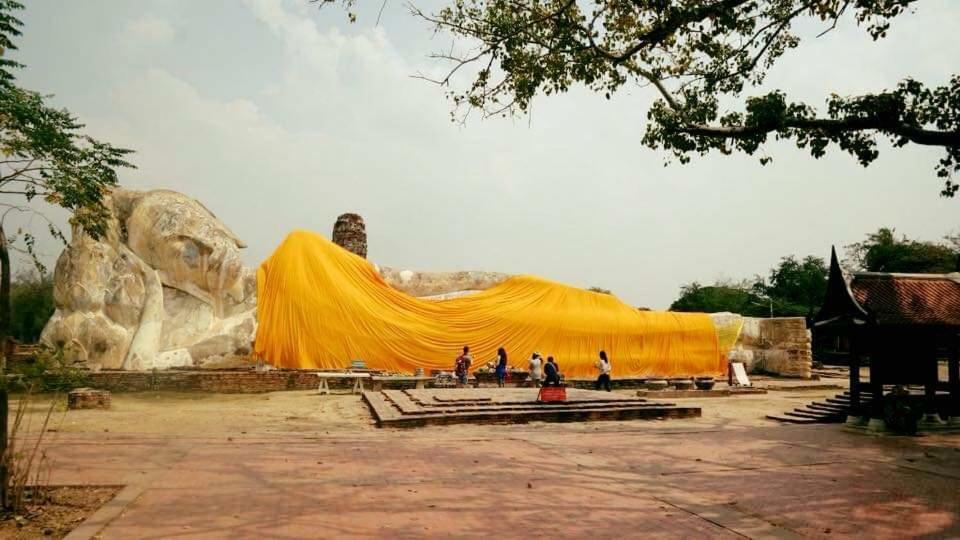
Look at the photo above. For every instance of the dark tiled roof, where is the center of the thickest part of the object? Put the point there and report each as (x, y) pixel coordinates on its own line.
(908, 298)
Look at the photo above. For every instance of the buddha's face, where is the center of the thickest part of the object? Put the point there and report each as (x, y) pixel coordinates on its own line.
(187, 245)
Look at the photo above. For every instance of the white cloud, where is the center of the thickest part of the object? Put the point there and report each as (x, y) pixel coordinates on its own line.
(147, 30)
(331, 121)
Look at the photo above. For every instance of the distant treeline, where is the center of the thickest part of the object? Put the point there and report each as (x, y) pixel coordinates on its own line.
(796, 287)
(31, 305)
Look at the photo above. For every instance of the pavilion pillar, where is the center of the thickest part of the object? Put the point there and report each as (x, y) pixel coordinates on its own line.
(877, 423)
(953, 375)
(855, 414)
(931, 378)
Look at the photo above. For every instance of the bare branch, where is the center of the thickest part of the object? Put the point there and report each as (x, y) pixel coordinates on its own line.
(835, 19)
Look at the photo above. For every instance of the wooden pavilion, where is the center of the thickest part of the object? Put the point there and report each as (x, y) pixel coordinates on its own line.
(903, 326)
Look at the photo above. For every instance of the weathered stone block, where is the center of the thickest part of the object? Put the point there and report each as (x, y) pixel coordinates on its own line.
(88, 398)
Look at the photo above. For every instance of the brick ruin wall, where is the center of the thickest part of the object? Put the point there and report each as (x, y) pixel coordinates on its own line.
(227, 382)
(779, 346)
(350, 233)
(203, 381)
(250, 382)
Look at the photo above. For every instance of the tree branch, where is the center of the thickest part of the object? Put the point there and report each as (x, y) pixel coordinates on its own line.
(914, 134)
(666, 28)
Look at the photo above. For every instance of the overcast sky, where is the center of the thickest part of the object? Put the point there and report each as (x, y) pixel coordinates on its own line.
(278, 116)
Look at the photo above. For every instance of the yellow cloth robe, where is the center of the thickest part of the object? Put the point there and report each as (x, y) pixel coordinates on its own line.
(320, 306)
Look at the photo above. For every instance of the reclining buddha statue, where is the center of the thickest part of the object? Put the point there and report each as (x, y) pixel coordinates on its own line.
(166, 287)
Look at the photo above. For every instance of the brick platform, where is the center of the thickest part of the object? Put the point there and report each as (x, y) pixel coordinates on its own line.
(417, 408)
(225, 382)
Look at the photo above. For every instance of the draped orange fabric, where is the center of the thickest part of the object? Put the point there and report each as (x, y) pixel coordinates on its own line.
(320, 306)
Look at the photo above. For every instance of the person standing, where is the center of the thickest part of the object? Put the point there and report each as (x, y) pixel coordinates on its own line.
(501, 366)
(536, 369)
(462, 366)
(552, 372)
(603, 366)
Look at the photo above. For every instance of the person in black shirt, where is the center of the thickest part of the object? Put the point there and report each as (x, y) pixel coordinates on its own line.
(603, 366)
(551, 373)
(501, 366)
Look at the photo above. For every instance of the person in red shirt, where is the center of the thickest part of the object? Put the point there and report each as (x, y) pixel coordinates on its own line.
(462, 366)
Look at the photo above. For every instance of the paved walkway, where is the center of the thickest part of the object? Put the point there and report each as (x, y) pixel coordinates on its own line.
(608, 480)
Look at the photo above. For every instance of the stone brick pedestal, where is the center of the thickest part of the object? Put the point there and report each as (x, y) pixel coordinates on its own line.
(88, 398)
(780, 346)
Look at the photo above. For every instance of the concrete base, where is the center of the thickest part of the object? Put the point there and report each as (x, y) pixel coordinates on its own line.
(855, 420)
(877, 425)
(931, 420)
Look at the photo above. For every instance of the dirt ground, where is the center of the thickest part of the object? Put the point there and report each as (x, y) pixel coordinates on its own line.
(196, 414)
(65, 509)
(202, 414)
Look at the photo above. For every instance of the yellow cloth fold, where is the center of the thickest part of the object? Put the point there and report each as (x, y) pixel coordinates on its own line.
(320, 306)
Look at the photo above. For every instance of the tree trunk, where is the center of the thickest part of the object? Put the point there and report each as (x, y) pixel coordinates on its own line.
(4, 294)
(4, 411)
(4, 339)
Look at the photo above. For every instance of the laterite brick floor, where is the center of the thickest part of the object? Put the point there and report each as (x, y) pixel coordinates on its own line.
(703, 478)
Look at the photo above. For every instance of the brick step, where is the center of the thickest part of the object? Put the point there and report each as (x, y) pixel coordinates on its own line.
(379, 405)
(407, 404)
(540, 415)
(394, 408)
(591, 403)
(821, 404)
(800, 413)
(831, 410)
(436, 402)
(520, 408)
(791, 420)
(817, 412)
(827, 408)
(456, 400)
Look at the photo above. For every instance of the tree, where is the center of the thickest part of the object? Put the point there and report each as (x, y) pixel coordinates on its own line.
(695, 53)
(882, 251)
(600, 290)
(795, 287)
(721, 296)
(31, 299)
(953, 240)
(44, 155)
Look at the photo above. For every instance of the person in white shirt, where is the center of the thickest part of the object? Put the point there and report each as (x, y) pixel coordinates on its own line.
(536, 369)
(603, 366)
